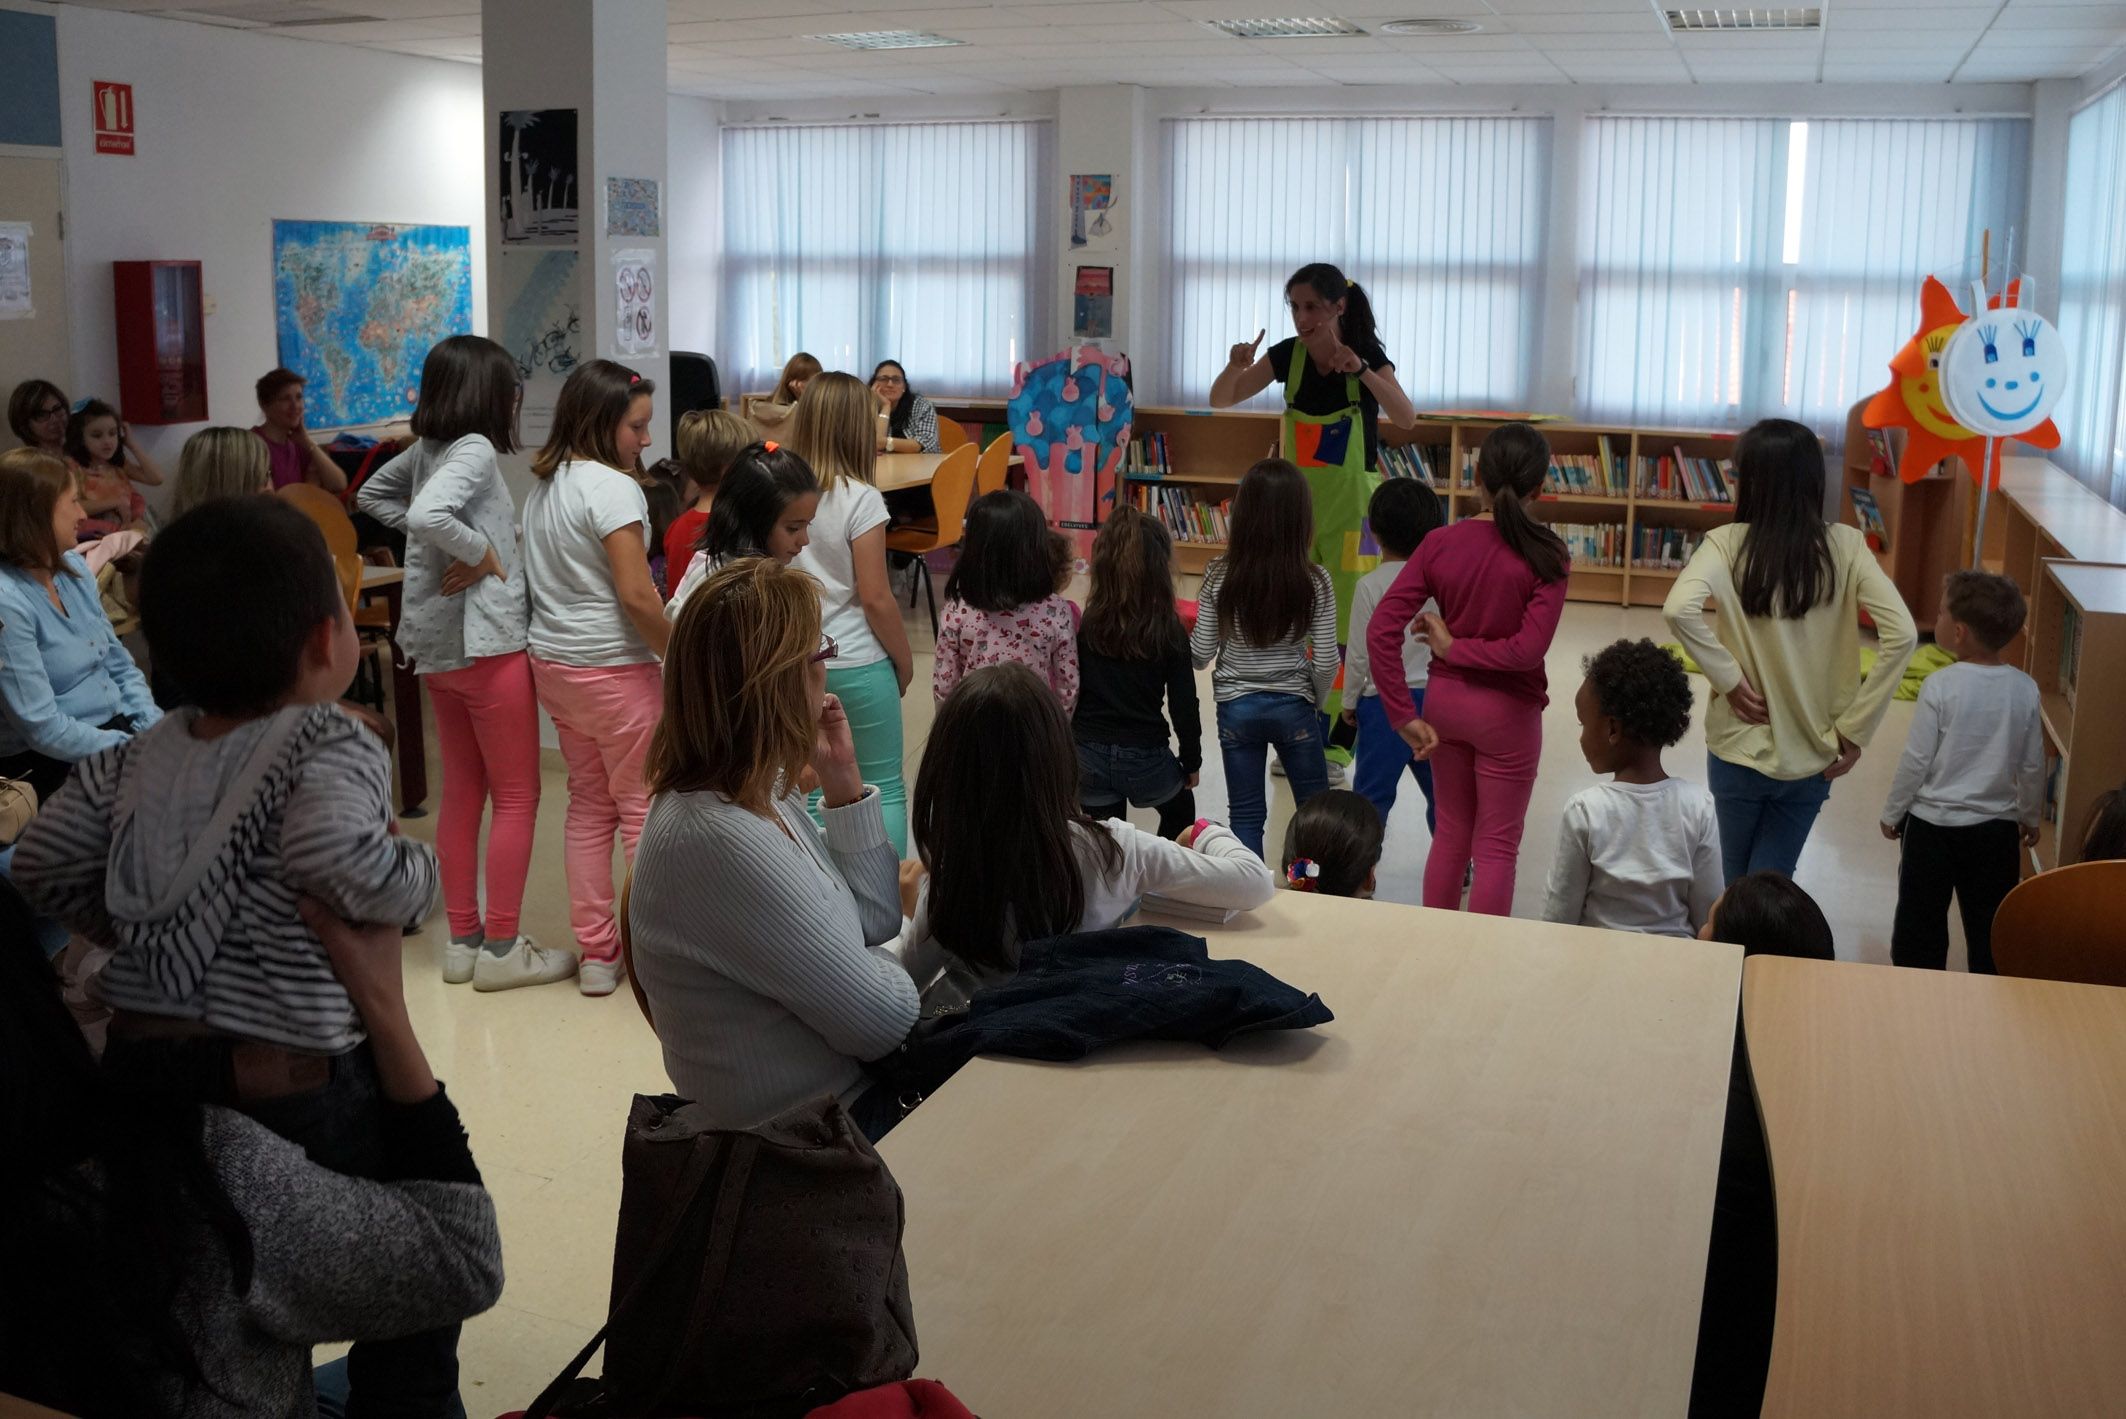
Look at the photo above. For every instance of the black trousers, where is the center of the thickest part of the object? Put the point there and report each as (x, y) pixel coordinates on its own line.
(1176, 816)
(1978, 865)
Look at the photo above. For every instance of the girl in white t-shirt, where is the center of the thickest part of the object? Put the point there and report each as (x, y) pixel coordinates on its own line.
(833, 431)
(1010, 856)
(597, 634)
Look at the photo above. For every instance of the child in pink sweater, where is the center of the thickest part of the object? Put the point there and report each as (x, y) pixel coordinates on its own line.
(1499, 578)
(1001, 602)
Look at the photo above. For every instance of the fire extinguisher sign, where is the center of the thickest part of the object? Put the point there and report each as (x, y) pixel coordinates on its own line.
(114, 118)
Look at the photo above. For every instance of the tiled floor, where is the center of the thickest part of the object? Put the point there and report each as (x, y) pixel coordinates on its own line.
(544, 1076)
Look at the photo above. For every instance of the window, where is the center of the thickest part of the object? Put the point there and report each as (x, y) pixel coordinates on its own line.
(1733, 269)
(917, 242)
(1442, 220)
(2092, 414)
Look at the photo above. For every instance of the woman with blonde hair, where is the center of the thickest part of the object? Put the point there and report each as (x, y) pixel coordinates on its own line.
(68, 689)
(220, 462)
(833, 432)
(758, 937)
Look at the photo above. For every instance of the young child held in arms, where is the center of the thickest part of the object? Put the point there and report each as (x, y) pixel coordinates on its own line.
(1332, 845)
(1011, 856)
(1132, 653)
(705, 442)
(1642, 852)
(1971, 784)
(1267, 615)
(1403, 510)
(1001, 602)
(188, 847)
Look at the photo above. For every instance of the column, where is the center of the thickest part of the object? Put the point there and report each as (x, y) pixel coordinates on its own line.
(577, 198)
(1099, 133)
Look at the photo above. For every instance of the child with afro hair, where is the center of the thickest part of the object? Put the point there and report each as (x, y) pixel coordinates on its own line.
(1641, 852)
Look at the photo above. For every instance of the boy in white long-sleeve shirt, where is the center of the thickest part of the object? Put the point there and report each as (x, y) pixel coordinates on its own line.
(1970, 785)
(1642, 852)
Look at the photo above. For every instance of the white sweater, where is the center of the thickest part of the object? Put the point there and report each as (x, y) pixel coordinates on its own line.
(1637, 857)
(1218, 871)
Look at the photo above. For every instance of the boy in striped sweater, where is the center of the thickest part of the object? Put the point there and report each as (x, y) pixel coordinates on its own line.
(187, 848)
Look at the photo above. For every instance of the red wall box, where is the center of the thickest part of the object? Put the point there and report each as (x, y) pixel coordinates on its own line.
(162, 342)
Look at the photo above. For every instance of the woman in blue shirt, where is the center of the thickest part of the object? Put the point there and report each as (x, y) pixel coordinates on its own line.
(67, 687)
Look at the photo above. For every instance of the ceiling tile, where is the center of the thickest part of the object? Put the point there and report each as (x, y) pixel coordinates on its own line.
(1450, 44)
(2015, 37)
(1603, 43)
(1568, 7)
(1642, 21)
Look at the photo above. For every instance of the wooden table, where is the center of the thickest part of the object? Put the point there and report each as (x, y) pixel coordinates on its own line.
(412, 753)
(899, 471)
(1949, 1157)
(1485, 1189)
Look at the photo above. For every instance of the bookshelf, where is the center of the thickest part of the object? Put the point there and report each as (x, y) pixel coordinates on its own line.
(1922, 533)
(1206, 451)
(2042, 513)
(2077, 655)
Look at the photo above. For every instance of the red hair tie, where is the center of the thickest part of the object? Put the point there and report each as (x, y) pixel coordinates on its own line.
(1303, 873)
(633, 379)
(770, 446)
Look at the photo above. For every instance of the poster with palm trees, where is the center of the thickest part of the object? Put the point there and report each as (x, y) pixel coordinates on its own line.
(539, 195)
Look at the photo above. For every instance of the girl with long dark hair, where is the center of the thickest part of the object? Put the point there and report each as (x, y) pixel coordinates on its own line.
(1001, 601)
(764, 508)
(1790, 710)
(1338, 382)
(1499, 577)
(1011, 856)
(1266, 614)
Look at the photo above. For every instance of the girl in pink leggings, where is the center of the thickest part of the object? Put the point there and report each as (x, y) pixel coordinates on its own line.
(463, 625)
(597, 634)
(1499, 578)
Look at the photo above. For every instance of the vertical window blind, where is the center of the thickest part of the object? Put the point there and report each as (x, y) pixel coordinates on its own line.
(2092, 413)
(1733, 269)
(1442, 220)
(919, 242)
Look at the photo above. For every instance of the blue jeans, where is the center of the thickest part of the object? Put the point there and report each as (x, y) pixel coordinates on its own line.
(1382, 757)
(1247, 728)
(1764, 821)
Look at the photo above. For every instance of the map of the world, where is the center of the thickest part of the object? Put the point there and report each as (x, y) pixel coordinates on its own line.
(357, 307)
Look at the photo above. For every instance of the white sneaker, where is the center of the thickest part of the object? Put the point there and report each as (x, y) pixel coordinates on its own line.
(598, 977)
(458, 961)
(527, 963)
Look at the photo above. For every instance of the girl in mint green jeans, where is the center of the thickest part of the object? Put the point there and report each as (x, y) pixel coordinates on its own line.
(835, 430)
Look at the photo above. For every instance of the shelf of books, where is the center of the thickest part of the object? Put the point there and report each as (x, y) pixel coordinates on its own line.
(1915, 529)
(2078, 658)
(1632, 503)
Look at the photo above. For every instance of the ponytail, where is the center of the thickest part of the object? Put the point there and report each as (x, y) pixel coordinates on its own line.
(1356, 328)
(1511, 465)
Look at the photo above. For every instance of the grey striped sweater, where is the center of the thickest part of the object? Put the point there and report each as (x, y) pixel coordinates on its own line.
(187, 856)
(1303, 666)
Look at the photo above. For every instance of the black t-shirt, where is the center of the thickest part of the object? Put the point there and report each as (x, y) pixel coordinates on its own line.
(1327, 393)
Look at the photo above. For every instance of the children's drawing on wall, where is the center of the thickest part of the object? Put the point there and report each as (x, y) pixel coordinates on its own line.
(539, 321)
(539, 196)
(1092, 197)
(1093, 309)
(15, 302)
(631, 207)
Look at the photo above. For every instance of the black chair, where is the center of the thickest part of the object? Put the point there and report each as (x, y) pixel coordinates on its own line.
(694, 386)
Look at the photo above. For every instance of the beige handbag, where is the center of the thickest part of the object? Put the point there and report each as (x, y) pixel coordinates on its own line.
(18, 804)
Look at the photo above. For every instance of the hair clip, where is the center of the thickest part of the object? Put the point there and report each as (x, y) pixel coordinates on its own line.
(633, 378)
(1302, 872)
(769, 446)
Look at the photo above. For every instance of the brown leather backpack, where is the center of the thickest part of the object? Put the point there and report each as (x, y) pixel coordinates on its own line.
(757, 1272)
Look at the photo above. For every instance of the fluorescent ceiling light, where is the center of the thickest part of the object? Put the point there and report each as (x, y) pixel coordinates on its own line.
(1703, 21)
(887, 39)
(1285, 29)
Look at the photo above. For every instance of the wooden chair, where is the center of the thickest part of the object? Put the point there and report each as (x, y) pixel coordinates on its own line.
(372, 620)
(951, 488)
(993, 472)
(2065, 925)
(952, 434)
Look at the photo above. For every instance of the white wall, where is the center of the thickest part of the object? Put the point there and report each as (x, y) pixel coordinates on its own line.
(233, 131)
(693, 218)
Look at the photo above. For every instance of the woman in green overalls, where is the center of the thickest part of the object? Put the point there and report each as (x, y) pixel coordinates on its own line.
(1337, 384)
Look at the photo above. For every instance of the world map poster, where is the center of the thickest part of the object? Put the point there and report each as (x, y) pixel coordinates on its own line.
(357, 306)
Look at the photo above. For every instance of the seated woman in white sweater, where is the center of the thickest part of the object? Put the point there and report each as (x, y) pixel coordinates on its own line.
(1011, 857)
(757, 937)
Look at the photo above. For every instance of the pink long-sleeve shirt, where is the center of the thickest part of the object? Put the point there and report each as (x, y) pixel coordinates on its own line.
(1501, 616)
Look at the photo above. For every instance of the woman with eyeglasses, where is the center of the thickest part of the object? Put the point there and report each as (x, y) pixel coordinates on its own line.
(910, 419)
(761, 940)
(37, 413)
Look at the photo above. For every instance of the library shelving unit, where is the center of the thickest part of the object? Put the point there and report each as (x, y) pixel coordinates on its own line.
(2078, 658)
(1208, 450)
(2043, 513)
(1922, 535)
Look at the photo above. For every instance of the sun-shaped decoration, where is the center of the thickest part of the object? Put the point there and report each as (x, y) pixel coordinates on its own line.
(1914, 400)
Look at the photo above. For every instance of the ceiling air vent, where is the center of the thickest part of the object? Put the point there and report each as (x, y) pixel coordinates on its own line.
(1285, 29)
(1430, 27)
(887, 39)
(1725, 21)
